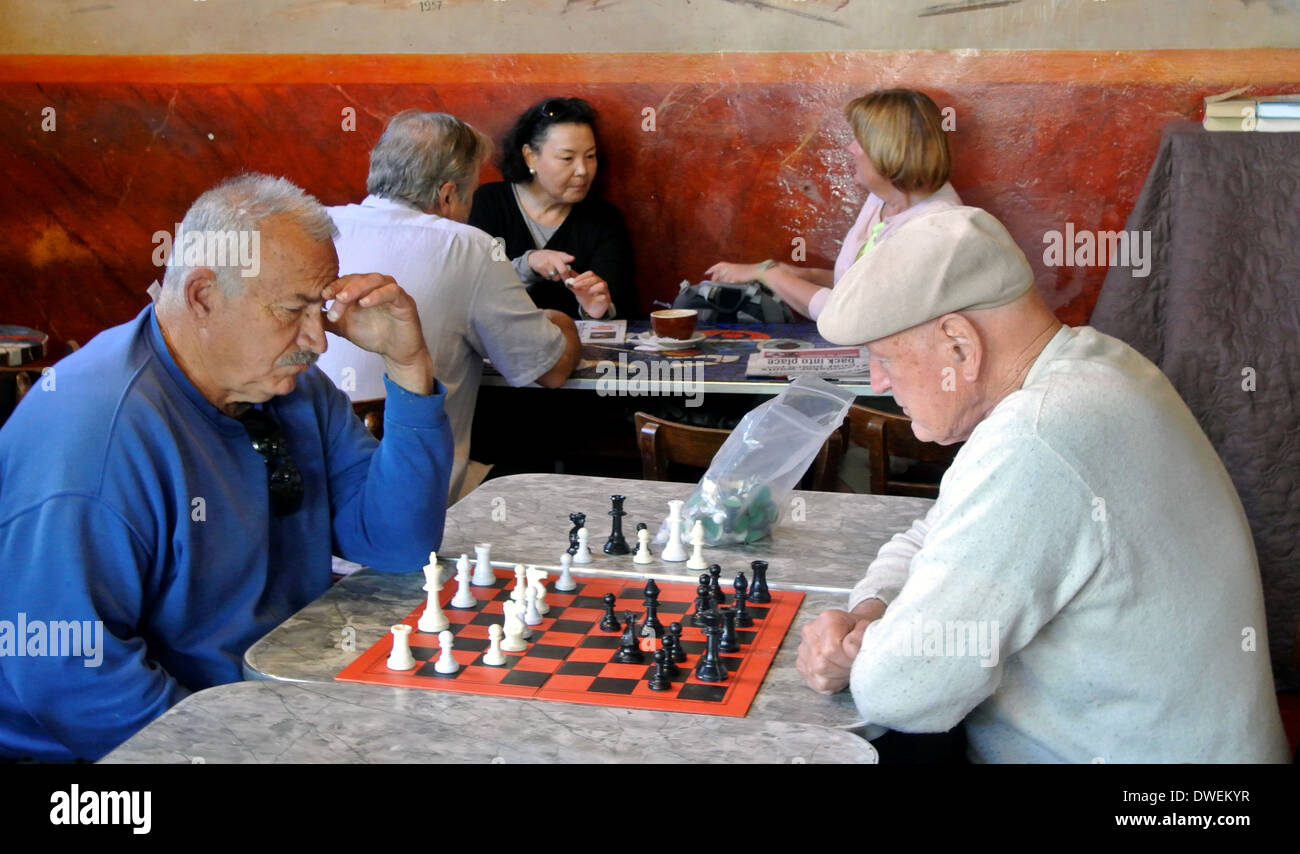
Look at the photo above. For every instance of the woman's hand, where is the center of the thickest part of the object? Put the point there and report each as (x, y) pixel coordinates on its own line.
(725, 271)
(551, 265)
(592, 293)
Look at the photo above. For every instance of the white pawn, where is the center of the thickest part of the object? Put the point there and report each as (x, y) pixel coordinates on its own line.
(464, 597)
(494, 657)
(643, 547)
(483, 575)
(433, 619)
(521, 581)
(514, 629)
(697, 540)
(674, 551)
(400, 658)
(565, 583)
(537, 581)
(446, 663)
(584, 554)
(532, 616)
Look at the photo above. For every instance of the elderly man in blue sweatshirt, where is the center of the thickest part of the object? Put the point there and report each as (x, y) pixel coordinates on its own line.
(175, 489)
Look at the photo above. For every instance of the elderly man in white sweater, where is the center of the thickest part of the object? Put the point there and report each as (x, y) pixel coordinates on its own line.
(1085, 587)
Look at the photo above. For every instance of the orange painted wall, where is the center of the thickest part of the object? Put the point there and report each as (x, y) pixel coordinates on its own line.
(747, 154)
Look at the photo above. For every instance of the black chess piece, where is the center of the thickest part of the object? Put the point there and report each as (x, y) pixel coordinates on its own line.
(578, 520)
(651, 621)
(710, 667)
(744, 619)
(609, 623)
(730, 641)
(758, 590)
(629, 651)
(715, 585)
(703, 604)
(675, 632)
(616, 545)
(670, 663)
(659, 680)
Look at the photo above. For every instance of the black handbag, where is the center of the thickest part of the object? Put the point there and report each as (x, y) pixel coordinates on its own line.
(721, 302)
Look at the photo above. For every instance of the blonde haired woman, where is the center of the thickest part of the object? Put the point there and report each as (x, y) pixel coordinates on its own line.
(901, 153)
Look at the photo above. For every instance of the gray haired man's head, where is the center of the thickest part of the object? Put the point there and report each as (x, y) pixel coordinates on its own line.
(419, 152)
(222, 229)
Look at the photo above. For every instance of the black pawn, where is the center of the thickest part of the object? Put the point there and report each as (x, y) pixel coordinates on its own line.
(670, 666)
(610, 623)
(659, 680)
(629, 651)
(710, 667)
(675, 633)
(730, 641)
(744, 619)
(758, 591)
(578, 520)
(715, 585)
(616, 545)
(703, 604)
(652, 609)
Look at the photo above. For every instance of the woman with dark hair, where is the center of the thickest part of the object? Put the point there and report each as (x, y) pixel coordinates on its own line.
(571, 248)
(901, 157)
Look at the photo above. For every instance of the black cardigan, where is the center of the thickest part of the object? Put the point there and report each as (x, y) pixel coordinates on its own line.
(594, 233)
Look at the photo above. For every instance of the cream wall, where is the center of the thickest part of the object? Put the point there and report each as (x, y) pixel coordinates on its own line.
(578, 26)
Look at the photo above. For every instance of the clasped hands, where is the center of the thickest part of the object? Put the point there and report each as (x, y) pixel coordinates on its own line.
(830, 643)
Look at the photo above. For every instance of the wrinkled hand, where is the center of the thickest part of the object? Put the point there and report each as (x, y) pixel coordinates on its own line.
(725, 271)
(592, 293)
(375, 314)
(551, 265)
(828, 647)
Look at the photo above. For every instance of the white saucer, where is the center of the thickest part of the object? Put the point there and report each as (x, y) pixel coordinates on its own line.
(669, 343)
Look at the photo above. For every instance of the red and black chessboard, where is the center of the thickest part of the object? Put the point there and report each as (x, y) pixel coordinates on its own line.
(571, 660)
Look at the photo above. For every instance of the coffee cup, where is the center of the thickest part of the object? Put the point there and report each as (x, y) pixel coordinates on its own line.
(675, 323)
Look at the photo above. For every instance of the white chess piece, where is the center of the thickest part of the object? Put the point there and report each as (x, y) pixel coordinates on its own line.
(521, 582)
(464, 597)
(532, 616)
(483, 575)
(514, 628)
(697, 540)
(537, 581)
(433, 619)
(583, 555)
(674, 551)
(643, 547)
(565, 583)
(400, 658)
(494, 657)
(446, 662)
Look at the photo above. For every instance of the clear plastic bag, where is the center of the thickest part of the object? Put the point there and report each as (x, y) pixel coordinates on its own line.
(742, 496)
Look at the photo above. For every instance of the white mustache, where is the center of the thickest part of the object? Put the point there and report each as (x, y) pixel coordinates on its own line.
(302, 357)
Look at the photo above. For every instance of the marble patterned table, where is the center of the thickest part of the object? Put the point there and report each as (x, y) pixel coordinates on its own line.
(274, 723)
(822, 552)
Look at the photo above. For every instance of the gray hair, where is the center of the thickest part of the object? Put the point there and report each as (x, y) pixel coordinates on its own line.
(231, 213)
(419, 152)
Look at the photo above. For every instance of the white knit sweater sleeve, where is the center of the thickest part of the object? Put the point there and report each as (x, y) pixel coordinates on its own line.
(888, 572)
(1018, 537)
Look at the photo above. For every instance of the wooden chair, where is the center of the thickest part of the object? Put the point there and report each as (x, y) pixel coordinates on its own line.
(663, 442)
(886, 435)
(371, 413)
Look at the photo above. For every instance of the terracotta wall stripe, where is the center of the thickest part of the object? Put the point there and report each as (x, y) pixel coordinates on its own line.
(866, 68)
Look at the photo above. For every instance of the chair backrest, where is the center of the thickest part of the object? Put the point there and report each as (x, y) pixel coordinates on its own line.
(662, 442)
(371, 413)
(886, 435)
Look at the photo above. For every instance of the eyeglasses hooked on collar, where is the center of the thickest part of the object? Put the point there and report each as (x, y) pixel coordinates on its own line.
(283, 480)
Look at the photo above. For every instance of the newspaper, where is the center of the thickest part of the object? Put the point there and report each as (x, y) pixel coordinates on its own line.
(602, 331)
(826, 362)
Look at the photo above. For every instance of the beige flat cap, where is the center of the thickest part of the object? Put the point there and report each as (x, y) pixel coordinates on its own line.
(954, 258)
